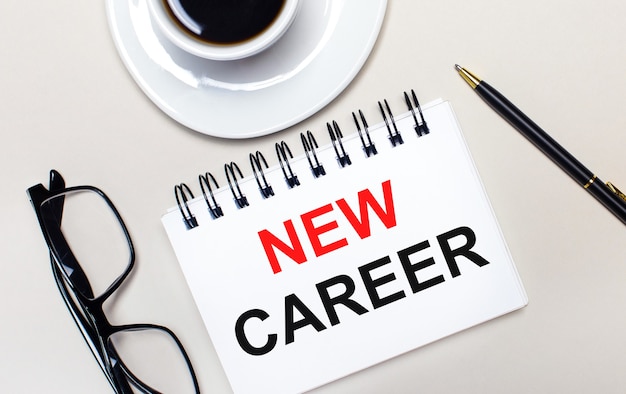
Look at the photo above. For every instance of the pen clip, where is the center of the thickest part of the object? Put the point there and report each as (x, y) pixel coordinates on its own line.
(615, 190)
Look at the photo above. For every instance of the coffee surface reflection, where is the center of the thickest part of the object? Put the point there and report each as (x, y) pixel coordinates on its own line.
(224, 22)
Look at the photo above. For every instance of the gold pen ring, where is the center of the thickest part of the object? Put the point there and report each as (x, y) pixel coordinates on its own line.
(590, 182)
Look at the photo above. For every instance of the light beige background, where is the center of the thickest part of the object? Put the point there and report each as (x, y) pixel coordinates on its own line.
(67, 102)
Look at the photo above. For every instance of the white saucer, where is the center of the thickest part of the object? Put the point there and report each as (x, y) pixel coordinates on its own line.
(308, 67)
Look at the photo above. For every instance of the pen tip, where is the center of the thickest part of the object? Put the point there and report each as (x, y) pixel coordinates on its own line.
(470, 78)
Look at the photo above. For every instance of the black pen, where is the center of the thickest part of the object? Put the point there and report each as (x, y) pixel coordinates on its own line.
(611, 197)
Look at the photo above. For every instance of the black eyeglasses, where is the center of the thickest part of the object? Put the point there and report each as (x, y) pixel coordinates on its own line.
(91, 255)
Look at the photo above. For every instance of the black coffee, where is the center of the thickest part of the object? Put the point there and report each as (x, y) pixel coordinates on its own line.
(225, 21)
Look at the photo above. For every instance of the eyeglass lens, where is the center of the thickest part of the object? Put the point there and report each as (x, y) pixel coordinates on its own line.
(95, 238)
(154, 357)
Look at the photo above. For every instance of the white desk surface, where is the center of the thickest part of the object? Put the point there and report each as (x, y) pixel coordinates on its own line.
(67, 102)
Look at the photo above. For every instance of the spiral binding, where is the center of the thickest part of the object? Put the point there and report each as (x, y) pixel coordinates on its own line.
(240, 198)
(255, 162)
(213, 206)
(394, 136)
(281, 151)
(184, 194)
(368, 147)
(310, 144)
(335, 137)
(258, 163)
(421, 128)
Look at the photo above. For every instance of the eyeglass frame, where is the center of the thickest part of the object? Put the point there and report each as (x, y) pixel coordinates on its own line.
(89, 314)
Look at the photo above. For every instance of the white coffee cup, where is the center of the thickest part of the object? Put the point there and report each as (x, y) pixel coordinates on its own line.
(171, 19)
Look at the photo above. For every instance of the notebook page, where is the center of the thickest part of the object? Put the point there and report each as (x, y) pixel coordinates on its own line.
(352, 268)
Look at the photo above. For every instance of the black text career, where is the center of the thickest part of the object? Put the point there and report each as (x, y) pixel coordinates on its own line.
(345, 285)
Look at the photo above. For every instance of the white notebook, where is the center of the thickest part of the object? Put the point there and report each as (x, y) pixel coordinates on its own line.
(326, 276)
